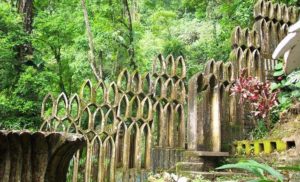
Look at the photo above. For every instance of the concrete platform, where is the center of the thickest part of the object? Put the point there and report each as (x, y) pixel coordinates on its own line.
(189, 166)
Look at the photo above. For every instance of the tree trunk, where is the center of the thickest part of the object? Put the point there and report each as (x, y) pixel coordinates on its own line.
(93, 62)
(57, 56)
(112, 13)
(131, 49)
(26, 9)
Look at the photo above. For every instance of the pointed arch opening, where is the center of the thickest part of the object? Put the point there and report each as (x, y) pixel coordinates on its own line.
(108, 160)
(179, 127)
(136, 82)
(180, 67)
(145, 146)
(158, 65)
(124, 81)
(48, 107)
(168, 112)
(120, 145)
(95, 159)
(110, 117)
(100, 93)
(147, 84)
(135, 107)
(74, 107)
(156, 123)
(123, 107)
(85, 119)
(86, 92)
(62, 106)
(132, 146)
(112, 94)
(170, 65)
(98, 120)
(159, 87)
(169, 85)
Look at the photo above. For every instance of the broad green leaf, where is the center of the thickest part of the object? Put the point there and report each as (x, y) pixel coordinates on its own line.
(275, 86)
(297, 84)
(278, 73)
(255, 168)
(260, 180)
(284, 99)
(268, 169)
(244, 166)
(279, 66)
(295, 93)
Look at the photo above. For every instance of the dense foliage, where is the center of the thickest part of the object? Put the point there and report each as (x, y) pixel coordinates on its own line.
(44, 45)
(288, 85)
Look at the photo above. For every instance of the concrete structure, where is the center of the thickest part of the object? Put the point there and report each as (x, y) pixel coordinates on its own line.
(161, 120)
(290, 48)
(36, 157)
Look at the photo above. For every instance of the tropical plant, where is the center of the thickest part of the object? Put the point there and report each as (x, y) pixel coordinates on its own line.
(257, 93)
(259, 131)
(288, 85)
(264, 172)
(50, 38)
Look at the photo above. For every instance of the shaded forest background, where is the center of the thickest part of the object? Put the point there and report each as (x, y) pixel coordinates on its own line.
(44, 45)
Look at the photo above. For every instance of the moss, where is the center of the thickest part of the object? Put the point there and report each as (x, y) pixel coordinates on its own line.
(180, 171)
(282, 130)
(178, 168)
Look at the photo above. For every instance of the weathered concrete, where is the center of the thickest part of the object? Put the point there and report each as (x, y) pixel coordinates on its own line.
(138, 123)
(36, 157)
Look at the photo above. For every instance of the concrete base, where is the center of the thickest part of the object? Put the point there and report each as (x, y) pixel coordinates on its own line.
(199, 161)
(213, 175)
(189, 166)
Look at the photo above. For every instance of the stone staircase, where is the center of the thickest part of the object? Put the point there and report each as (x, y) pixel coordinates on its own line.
(197, 162)
(203, 163)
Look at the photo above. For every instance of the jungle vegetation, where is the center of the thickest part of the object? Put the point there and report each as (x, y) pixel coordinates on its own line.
(48, 45)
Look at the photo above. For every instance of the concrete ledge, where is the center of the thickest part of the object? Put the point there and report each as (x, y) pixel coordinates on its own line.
(206, 154)
(212, 175)
(189, 166)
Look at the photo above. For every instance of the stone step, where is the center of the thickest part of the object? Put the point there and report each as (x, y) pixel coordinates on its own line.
(189, 166)
(212, 175)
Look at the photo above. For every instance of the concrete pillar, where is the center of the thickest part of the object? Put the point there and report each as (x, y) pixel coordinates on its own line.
(216, 120)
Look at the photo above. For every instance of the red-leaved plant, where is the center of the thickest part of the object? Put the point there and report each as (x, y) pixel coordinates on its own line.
(257, 93)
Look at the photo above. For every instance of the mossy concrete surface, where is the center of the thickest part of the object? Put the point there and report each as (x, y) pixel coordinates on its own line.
(256, 147)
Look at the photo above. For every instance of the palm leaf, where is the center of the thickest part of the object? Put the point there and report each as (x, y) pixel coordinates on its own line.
(244, 166)
(268, 169)
(255, 168)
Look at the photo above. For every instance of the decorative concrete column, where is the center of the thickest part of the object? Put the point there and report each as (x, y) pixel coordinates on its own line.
(36, 157)
(216, 121)
(192, 136)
